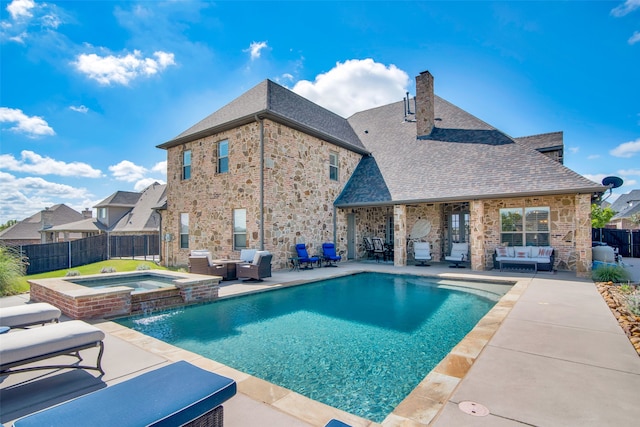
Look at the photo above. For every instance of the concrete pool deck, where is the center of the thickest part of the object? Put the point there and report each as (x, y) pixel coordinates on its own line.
(551, 354)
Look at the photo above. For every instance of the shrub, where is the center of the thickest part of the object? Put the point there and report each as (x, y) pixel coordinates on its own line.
(633, 302)
(72, 273)
(141, 267)
(108, 270)
(12, 267)
(610, 273)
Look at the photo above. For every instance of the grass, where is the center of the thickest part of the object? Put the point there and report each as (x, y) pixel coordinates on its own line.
(95, 268)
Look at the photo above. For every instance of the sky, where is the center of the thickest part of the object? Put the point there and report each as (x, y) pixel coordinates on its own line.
(88, 89)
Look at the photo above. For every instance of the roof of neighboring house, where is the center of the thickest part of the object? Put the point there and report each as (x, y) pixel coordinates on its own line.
(626, 205)
(542, 142)
(270, 100)
(120, 199)
(143, 217)
(463, 158)
(29, 228)
(88, 225)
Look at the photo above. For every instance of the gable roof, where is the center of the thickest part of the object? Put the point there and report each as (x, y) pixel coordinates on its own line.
(626, 205)
(543, 142)
(463, 158)
(270, 100)
(143, 217)
(120, 199)
(29, 228)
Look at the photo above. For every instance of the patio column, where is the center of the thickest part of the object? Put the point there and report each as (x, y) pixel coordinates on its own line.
(400, 235)
(477, 238)
(582, 239)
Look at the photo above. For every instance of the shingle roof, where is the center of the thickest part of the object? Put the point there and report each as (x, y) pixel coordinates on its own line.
(627, 204)
(270, 100)
(29, 228)
(120, 198)
(463, 158)
(543, 141)
(143, 217)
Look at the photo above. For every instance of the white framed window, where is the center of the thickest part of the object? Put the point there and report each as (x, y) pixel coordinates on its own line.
(223, 156)
(184, 231)
(334, 171)
(525, 226)
(239, 229)
(102, 213)
(186, 164)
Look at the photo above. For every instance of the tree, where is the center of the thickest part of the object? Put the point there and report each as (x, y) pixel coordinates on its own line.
(601, 216)
(635, 218)
(8, 224)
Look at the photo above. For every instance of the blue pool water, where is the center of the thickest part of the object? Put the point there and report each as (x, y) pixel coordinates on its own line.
(359, 343)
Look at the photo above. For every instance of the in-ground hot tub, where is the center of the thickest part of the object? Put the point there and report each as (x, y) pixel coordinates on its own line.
(120, 294)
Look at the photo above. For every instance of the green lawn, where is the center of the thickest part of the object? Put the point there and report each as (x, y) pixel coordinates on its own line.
(118, 264)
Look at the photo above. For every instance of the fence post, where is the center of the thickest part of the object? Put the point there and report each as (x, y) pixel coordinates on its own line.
(69, 241)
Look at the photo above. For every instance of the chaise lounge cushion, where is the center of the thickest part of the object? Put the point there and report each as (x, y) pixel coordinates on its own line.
(30, 343)
(169, 396)
(28, 314)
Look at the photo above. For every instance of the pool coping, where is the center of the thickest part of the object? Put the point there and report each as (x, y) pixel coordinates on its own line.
(420, 407)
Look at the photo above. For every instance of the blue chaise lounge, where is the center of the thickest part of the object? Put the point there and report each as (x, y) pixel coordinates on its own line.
(179, 394)
(329, 254)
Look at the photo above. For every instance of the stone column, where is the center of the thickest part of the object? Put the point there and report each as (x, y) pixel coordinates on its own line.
(400, 235)
(477, 236)
(582, 239)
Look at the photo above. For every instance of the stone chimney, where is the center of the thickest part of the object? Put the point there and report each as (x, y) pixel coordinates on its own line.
(425, 114)
(87, 213)
(46, 219)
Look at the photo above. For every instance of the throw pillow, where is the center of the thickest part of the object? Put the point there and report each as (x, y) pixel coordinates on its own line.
(501, 251)
(545, 251)
(521, 254)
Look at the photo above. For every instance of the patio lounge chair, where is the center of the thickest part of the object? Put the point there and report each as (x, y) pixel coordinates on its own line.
(32, 345)
(422, 253)
(329, 254)
(304, 258)
(25, 315)
(378, 249)
(200, 262)
(368, 246)
(179, 394)
(459, 253)
(258, 269)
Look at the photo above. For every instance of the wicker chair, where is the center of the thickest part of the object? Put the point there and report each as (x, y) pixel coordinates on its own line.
(258, 269)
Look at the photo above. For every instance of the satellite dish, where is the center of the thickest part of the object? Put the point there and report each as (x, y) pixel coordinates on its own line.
(420, 229)
(612, 182)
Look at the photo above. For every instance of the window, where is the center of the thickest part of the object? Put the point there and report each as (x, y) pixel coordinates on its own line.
(333, 166)
(102, 213)
(184, 231)
(186, 164)
(223, 156)
(239, 228)
(525, 227)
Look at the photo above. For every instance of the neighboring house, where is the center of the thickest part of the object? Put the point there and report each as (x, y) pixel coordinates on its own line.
(272, 169)
(39, 228)
(625, 206)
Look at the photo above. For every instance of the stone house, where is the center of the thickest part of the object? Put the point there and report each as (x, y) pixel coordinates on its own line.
(272, 169)
(626, 206)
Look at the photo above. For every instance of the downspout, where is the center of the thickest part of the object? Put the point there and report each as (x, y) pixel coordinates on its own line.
(261, 214)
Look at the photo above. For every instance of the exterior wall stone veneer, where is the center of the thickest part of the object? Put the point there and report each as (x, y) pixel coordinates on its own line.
(570, 216)
(298, 194)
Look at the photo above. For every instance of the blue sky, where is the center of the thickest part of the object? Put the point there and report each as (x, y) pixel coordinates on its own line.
(89, 88)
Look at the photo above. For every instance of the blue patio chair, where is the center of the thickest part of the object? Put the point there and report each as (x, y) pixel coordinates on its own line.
(329, 254)
(304, 258)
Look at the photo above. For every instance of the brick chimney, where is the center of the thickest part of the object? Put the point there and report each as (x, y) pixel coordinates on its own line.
(46, 219)
(87, 213)
(425, 114)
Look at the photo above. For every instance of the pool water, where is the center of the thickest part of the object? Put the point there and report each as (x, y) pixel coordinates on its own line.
(359, 343)
(138, 282)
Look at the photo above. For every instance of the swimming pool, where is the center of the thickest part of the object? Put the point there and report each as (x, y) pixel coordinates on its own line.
(359, 343)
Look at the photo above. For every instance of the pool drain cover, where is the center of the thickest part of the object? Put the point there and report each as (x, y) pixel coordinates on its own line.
(473, 408)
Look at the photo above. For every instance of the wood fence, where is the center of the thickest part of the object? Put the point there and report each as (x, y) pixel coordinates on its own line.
(627, 241)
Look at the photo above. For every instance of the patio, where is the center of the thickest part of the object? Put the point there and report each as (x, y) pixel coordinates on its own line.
(552, 354)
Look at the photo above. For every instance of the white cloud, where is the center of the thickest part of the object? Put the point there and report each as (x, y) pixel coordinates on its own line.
(79, 109)
(635, 38)
(574, 150)
(627, 149)
(593, 157)
(31, 162)
(625, 8)
(111, 69)
(255, 49)
(160, 167)
(144, 183)
(629, 172)
(19, 9)
(22, 197)
(31, 126)
(595, 177)
(128, 171)
(355, 85)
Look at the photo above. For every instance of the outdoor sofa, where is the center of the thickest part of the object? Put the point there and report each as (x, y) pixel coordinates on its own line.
(24, 347)
(179, 394)
(540, 257)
